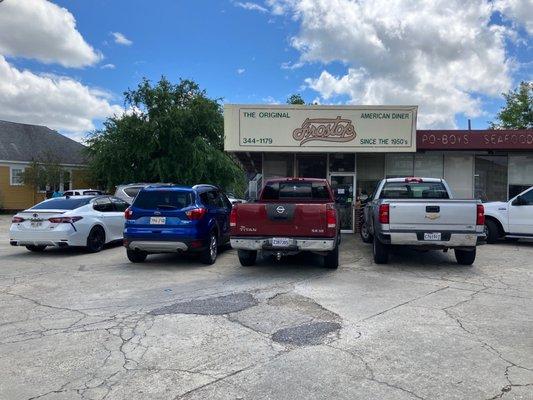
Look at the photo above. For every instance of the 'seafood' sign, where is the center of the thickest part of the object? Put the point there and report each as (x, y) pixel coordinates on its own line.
(320, 128)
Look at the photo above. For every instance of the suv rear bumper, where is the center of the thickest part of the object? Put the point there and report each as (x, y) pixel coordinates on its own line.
(157, 247)
(297, 244)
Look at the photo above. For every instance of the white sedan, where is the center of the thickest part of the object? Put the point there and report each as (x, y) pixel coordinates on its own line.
(85, 221)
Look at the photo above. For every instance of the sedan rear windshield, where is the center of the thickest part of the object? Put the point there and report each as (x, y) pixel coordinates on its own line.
(414, 190)
(62, 203)
(296, 190)
(163, 200)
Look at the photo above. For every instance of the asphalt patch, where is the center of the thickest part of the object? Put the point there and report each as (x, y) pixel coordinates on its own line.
(210, 306)
(306, 334)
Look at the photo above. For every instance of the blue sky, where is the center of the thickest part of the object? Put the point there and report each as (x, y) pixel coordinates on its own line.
(239, 51)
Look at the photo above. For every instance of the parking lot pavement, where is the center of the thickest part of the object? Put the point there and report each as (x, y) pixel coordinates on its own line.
(94, 326)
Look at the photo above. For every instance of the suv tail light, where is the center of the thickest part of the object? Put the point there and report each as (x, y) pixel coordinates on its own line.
(17, 220)
(128, 213)
(384, 214)
(196, 213)
(480, 215)
(233, 217)
(331, 217)
(64, 220)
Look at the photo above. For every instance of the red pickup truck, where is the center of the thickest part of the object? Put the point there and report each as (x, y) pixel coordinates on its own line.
(292, 215)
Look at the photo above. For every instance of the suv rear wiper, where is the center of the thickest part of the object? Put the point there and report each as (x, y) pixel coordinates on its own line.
(167, 206)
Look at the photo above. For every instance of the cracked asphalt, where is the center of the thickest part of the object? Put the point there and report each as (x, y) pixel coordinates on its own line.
(94, 326)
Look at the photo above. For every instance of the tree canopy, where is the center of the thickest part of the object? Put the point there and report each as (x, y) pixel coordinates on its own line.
(518, 110)
(295, 99)
(170, 133)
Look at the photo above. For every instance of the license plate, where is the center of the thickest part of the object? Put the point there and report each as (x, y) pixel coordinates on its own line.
(281, 242)
(36, 224)
(432, 236)
(158, 220)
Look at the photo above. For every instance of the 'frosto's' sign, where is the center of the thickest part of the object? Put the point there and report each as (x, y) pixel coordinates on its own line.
(320, 128)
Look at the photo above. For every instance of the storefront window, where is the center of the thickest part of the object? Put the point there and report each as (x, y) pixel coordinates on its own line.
(312, 165)
(341, 162)
(429, 165)
(520, 174)
(399, 164)
(458, 171)
(370, 170)
(277, 165)
(490, 178)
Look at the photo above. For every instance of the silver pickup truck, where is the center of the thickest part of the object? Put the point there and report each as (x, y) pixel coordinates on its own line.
(422, 213)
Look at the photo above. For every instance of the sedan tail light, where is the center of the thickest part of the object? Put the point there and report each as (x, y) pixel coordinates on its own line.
(480, 215)
(64, 220)
(17, 220)
(196, 213)
(233, 217)
(331, 217)
(128, 213)
(384, 214)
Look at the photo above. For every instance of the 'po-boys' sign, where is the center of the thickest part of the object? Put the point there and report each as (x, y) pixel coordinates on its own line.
(318, 128)
(520, 139)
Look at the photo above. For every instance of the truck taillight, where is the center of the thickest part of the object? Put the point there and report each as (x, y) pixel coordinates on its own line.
(196, 213)
(233, 217)
(480, 215)
(331, 217)
(384, 214)
(128, 213)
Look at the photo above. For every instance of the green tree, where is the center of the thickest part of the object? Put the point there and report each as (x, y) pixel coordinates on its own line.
(518, 110)
(174, 133)
(295, 99)
(43, 171)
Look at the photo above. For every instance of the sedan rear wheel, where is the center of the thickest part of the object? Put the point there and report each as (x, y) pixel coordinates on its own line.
(96, 239)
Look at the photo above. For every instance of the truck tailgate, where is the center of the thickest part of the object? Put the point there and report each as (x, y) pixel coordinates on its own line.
(443, 215)
(282, 219)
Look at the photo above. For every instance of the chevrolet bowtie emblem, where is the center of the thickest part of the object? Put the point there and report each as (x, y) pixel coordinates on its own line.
(432, 216)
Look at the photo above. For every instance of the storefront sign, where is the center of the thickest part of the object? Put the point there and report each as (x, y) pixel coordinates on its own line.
(320, 128)
(475, 140)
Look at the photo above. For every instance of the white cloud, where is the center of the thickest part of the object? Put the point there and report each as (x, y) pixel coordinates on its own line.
(41, 30)
(57, 102)
(270, 100)
(241, 71)
(121, 39)
(441, 55)
(108, 66)
(248, 5)
(520, 11)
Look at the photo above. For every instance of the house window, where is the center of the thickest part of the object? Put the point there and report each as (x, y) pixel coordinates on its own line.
(16, 176)
(65, 181)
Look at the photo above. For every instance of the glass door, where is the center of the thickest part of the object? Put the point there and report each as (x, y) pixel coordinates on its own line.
(343, 189)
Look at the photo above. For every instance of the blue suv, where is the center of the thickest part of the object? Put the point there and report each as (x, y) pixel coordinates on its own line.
(171, 218)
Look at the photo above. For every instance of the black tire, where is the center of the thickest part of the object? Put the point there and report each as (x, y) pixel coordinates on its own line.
(465, 257)
(492, 230)
(247, 257)
(331, 260)
(380, 252)
(209, 255)
(136, 256)
(96, 239)
(36, 248)
(365, 234)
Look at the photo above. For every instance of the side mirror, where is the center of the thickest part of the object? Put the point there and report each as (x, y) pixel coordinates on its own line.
(519, 201)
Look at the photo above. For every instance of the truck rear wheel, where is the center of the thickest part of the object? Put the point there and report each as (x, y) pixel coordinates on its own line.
(247, 257)
(366, 236)
(331, 260)
(380, 252)
(465, 257)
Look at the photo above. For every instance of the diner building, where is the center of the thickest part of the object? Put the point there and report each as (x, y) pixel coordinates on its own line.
(356, 146)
